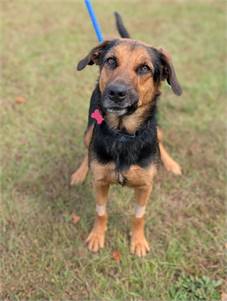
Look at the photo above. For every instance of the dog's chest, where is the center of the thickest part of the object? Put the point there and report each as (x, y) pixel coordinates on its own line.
(124, 150)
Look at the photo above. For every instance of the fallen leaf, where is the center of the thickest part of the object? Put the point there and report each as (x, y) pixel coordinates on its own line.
(224, 297)
(24, 141)
(20, 100)
(75, 218)
(116, 256)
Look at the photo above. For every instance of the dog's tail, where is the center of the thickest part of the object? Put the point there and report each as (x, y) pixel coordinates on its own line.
(120, 26)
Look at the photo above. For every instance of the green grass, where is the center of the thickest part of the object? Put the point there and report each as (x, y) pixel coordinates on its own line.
(43, 255)
(195, 289)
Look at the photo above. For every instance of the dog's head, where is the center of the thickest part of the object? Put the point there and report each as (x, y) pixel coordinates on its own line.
(130, 73)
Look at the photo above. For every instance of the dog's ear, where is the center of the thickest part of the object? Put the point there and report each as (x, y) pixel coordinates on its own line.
(94, 56)
(168, 72)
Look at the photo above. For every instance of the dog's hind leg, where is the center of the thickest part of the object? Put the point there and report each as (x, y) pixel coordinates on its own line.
(80, 174)
(167, 160)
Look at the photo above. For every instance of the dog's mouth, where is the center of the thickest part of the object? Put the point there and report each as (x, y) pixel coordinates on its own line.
(119, 99)
(121, 110)
(117, 110)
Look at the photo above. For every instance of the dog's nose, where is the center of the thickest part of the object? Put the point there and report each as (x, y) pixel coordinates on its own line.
(117, 92)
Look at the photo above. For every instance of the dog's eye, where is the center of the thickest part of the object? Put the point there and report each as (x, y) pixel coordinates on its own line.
(143, 69)
(111, 62)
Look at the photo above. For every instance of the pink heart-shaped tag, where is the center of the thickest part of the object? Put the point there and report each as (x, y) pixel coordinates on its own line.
(97, 116)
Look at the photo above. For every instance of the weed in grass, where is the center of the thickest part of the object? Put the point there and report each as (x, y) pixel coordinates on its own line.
(195, 289)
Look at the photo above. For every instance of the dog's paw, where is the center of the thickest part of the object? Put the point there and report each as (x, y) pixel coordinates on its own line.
(95, 241)
(174, 167)
(139, 245)
(78, 177)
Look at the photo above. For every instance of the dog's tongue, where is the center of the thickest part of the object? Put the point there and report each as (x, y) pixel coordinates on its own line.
(97, 116)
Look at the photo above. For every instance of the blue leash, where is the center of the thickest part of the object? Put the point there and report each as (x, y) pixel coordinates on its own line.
(94, 20)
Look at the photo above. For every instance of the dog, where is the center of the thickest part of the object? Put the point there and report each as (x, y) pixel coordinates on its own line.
(122, 137)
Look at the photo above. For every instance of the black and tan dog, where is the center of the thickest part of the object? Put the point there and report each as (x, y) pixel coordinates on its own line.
(123, 141)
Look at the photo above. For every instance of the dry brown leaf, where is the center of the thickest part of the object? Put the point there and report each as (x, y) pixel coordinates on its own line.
(224, 296)
(116, 256)
(20, 100)
(75, 218)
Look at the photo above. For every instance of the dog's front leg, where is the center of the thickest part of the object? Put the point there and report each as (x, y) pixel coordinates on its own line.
(139, 244)
(96, 238)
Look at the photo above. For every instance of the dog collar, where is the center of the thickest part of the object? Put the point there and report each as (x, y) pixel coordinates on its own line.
(97, 116)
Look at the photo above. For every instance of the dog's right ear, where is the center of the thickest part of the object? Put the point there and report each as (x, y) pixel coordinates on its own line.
(94, 56)
(168, 71)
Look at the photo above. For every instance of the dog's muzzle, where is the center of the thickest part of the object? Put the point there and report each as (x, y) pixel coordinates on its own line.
(119, 98)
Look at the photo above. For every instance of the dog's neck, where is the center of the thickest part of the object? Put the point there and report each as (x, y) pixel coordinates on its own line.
(130, 123)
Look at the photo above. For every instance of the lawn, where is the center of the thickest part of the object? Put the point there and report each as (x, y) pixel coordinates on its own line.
(44, 104)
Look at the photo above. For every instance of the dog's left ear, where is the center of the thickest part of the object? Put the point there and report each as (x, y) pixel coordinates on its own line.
(168, 72)
(94, 56)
